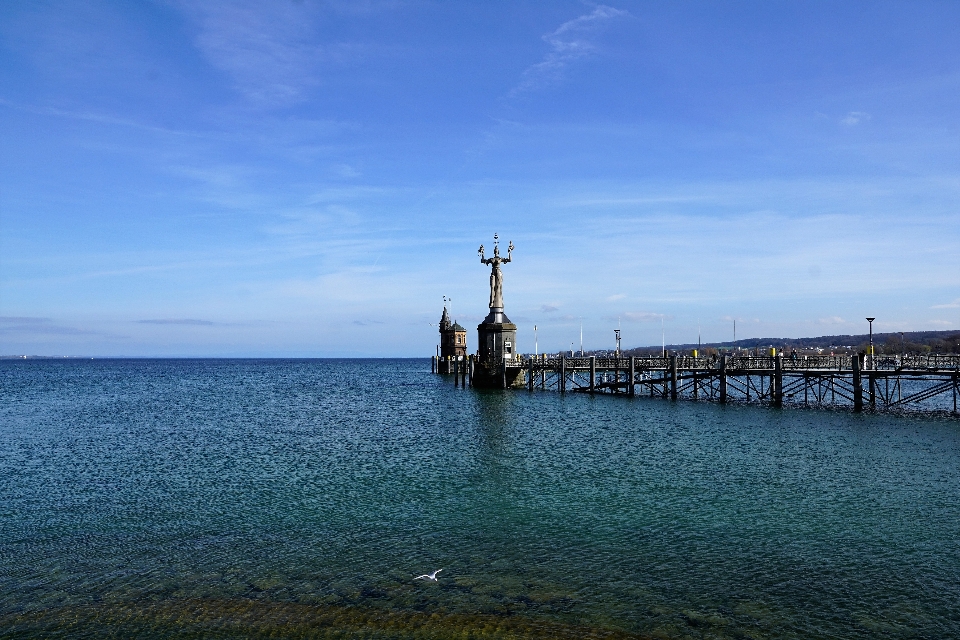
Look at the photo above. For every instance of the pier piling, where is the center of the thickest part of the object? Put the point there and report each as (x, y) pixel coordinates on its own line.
(723, 379)
(673, 377)
(778, 380)
(857, 384)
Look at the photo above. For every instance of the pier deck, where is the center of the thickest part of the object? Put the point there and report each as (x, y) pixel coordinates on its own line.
(926, 383)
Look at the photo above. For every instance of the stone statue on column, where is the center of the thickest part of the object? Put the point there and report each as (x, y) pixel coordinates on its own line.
(496, 275)
(498, 362)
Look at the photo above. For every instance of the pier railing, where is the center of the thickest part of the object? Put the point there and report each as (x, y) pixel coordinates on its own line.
(934, 362)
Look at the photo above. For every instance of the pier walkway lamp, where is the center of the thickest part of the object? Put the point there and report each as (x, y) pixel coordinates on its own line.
(617, 333)
(663, 339)
(536, 343)
(870, 320)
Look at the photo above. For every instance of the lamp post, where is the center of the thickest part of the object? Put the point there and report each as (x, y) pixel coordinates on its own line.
(870, 320)
(617, 333)
(536, 343)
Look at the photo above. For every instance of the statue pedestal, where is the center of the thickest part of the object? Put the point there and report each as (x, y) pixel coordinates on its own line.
(497, 364)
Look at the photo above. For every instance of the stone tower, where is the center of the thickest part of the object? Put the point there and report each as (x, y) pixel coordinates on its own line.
(453, 338)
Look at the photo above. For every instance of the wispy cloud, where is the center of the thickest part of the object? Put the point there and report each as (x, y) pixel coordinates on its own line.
(950, 305)
(642, 316)
(344, 170)
(832, 320)
(178, 321)
(548, 308)
(7, 320)
(269, 49)
(97, 117)
(855, 118)
(24, 325)
(568, 43)
(615, 297)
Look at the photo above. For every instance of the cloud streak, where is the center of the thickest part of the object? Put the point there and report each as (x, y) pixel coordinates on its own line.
(268, 49)
(950, 305)
(179, 321)
(24, 325)
(641, 316)
(568, 43)
(854, 118)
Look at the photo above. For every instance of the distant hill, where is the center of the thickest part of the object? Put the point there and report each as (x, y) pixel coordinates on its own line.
(912, 342)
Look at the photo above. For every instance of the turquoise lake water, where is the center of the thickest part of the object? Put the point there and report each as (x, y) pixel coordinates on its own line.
(286, 498)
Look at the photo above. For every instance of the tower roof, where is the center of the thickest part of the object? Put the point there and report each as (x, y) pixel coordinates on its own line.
(456, 327)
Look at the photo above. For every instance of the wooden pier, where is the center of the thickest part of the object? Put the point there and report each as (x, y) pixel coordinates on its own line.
(930, 383)
(892, 383)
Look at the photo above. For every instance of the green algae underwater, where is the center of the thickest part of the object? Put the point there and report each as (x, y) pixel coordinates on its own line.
(298, 499)
(252, 619)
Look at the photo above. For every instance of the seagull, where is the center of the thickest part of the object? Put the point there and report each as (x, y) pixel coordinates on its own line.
(429, 576)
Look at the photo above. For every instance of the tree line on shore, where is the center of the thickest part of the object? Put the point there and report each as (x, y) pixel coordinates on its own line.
(908, 342)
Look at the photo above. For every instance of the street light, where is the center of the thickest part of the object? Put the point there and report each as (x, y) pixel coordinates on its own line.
(870, 320)
(536, 344)
(663, 339)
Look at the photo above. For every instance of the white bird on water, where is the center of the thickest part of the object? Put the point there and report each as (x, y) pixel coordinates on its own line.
(429, 576)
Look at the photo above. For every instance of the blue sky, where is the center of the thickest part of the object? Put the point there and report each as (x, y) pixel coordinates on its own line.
(310, 178)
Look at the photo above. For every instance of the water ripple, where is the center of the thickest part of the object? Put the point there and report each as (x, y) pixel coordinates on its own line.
(251, 498)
